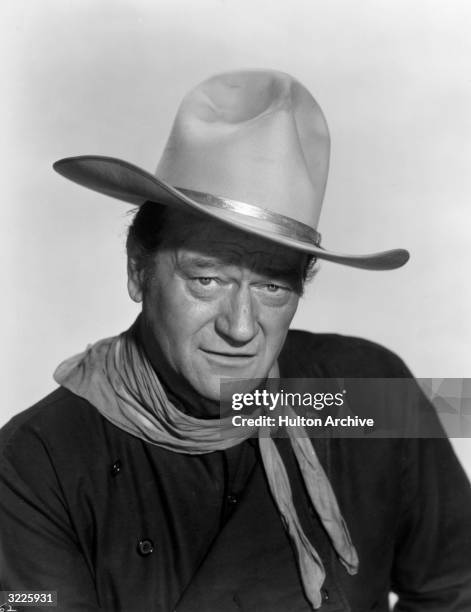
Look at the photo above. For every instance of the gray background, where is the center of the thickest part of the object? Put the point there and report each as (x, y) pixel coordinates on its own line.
(105, 76)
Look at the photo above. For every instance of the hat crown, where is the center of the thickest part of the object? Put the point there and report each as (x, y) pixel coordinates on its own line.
(257, 137)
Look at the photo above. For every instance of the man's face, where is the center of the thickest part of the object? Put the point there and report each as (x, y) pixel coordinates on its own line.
(217, 304)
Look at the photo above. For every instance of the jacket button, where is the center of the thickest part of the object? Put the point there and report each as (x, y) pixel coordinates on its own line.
(116, 468)
(325, 594)
(145, 547)
(232, 500)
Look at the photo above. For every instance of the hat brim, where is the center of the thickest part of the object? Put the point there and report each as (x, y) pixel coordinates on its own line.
(124, 181)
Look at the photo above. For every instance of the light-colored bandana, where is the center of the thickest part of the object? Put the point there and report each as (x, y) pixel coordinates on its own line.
(116, 377)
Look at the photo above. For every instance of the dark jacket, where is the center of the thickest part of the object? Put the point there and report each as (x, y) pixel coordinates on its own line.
(111, 522)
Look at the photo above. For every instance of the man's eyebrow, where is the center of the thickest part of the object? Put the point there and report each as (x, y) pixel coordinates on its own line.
(199, 261)
(271, 270)
(290, 270)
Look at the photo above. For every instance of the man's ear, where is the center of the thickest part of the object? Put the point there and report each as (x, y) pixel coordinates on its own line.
(135, 281)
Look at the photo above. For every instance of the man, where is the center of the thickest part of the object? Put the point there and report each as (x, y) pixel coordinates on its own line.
(125, 490)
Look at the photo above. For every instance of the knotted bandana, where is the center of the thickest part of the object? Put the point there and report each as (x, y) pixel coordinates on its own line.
(116, 377)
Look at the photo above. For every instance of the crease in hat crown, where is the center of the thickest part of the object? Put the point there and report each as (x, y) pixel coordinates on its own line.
(248, 136)
(250, 148)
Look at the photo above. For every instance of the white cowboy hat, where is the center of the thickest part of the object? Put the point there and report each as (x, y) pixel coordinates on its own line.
(249, 148)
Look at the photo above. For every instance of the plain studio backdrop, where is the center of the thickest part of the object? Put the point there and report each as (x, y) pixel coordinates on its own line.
(105, 77)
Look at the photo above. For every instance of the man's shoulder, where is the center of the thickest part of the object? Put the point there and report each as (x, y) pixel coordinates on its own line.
(60, 416)
(311, 354)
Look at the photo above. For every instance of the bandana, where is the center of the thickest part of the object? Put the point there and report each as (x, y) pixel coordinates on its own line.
(116, 377)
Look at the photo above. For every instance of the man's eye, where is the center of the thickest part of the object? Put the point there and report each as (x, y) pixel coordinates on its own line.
(274, 288)
(205, 280)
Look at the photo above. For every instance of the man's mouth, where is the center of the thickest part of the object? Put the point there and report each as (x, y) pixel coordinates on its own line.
(228, 357)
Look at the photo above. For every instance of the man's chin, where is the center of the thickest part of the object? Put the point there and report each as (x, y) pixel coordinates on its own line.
(227, 386)
(217, 389)
(217, 398)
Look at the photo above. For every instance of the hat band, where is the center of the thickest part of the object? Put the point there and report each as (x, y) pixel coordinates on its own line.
(283, 225)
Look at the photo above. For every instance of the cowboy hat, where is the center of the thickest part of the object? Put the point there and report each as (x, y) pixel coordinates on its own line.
(250, 148)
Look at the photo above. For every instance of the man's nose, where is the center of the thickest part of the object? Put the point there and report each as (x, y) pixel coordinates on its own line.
(237, 320)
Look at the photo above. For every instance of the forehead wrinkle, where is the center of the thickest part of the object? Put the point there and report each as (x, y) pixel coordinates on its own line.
(220, 254)
(196, 239)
